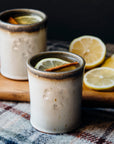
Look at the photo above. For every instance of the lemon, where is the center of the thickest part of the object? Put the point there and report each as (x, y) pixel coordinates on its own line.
(27, 19)
(109, 62)
(49, 63)
(101, 78)
(91, 48)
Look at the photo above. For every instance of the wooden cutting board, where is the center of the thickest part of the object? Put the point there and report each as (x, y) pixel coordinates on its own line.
(13, 90)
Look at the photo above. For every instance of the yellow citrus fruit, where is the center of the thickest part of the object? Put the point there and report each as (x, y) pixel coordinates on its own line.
(47, 63)
(91, 48)
(101, 78)
(109, 62)
(27, 19)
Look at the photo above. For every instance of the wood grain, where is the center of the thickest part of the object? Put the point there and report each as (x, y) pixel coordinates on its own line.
(97, 98)
(13, 90)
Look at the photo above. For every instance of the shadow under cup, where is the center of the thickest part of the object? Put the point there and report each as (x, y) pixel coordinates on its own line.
(18, 42)
(55, 97)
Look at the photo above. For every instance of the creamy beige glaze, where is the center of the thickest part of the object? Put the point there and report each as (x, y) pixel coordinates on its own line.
(55, 104)
(16, 48)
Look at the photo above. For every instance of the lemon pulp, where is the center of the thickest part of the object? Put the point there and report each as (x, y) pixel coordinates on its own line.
(53, 62)
(27, 19)
(91, 48)
(101, 78)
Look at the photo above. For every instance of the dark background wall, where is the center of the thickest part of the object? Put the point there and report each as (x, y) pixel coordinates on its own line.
(68, 19)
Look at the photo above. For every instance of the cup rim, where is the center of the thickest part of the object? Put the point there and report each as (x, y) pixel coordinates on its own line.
(56, 75)
(26, 27)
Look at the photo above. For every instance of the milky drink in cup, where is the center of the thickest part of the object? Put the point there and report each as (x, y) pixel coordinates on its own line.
(22, 34)
(55, 97)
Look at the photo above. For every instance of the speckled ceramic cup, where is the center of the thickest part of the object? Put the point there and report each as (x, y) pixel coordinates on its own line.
(18, 42)
(55, 97)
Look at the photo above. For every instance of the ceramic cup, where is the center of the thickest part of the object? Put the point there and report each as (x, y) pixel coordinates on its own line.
(20, 41)
(55, 97)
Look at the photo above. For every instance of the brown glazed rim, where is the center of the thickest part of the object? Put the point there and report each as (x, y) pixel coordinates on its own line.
(19, 27)
(58, 54)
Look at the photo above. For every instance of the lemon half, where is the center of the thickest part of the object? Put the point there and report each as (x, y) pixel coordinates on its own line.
(109, 62)
(91, 48)
(101, 78)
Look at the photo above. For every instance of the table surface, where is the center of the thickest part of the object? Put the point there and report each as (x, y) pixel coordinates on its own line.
(97, 125)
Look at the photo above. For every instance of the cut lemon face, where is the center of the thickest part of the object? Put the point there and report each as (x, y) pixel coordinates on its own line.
(100, 78)
(109, 62)
(27, 19)
(91, 48)
(49, 63)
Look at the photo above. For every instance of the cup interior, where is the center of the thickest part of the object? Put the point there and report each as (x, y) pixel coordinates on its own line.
(62, 55)
(4, 16)
(56, 54)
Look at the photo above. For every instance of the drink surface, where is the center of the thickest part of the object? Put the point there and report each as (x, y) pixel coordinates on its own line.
(57, 65)
(26, 19)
